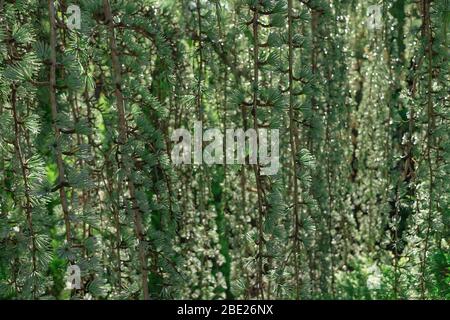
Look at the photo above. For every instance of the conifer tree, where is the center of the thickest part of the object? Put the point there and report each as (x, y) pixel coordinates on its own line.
(357, 210)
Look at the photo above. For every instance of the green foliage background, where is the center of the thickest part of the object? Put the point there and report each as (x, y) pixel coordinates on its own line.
(358, 210)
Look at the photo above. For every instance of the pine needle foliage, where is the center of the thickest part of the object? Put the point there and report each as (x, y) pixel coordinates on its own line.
(359, 208)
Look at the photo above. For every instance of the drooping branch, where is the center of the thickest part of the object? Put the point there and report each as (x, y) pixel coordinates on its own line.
(54, 111)
(122, 140)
